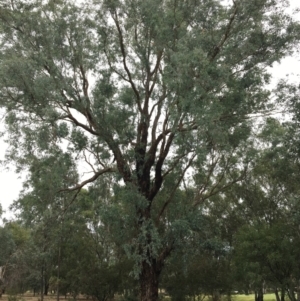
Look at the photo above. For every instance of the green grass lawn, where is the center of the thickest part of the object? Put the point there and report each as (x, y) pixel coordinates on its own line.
(29, 297)
(267, 297)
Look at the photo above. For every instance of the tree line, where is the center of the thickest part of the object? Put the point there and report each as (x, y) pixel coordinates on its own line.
(245, 239)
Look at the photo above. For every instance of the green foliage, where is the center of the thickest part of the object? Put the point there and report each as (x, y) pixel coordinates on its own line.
(155, 97)
(7, 245)
(12, 298)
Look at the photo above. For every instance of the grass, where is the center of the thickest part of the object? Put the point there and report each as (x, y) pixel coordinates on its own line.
(29, 297)
(267, 297)
(251, 297)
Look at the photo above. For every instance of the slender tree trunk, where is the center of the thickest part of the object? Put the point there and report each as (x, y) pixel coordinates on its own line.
(58, 268)
(149, 282)
(291, 293)
(259, 294)
(229, 297)
(216, 295)
(277, 294)
(298, 291)
(46, 288)
(42, 284)
(282, 296)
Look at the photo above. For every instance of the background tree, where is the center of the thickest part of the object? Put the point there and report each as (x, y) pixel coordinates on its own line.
(7, 249)
(42, 209)
(267, 204)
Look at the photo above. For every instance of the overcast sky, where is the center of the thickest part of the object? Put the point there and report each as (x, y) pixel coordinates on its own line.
(11, 183)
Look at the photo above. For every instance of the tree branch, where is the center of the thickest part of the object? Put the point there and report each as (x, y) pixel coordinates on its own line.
(169, 200)
(123, 52)
(217, 48)
(90, 180)
(216, 190)
(158, 168)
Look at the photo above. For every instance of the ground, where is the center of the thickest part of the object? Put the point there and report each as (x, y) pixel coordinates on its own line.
(30, 297)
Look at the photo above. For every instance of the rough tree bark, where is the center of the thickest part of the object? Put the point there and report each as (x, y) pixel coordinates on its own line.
(149, 281)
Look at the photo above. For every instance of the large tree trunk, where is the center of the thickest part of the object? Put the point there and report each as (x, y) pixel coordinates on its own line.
(149, 281)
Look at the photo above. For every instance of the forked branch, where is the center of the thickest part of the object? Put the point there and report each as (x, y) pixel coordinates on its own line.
(90, 180)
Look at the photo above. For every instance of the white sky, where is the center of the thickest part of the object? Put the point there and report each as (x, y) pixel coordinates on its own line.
(11, 183)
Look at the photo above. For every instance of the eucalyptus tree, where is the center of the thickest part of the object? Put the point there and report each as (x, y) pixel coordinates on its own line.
(267, 202)
(281, 161)
(88, 262)
(201, 267)
(69, 251)
(14, 239)
(154, 94)
(41, 209)
(7, 248)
